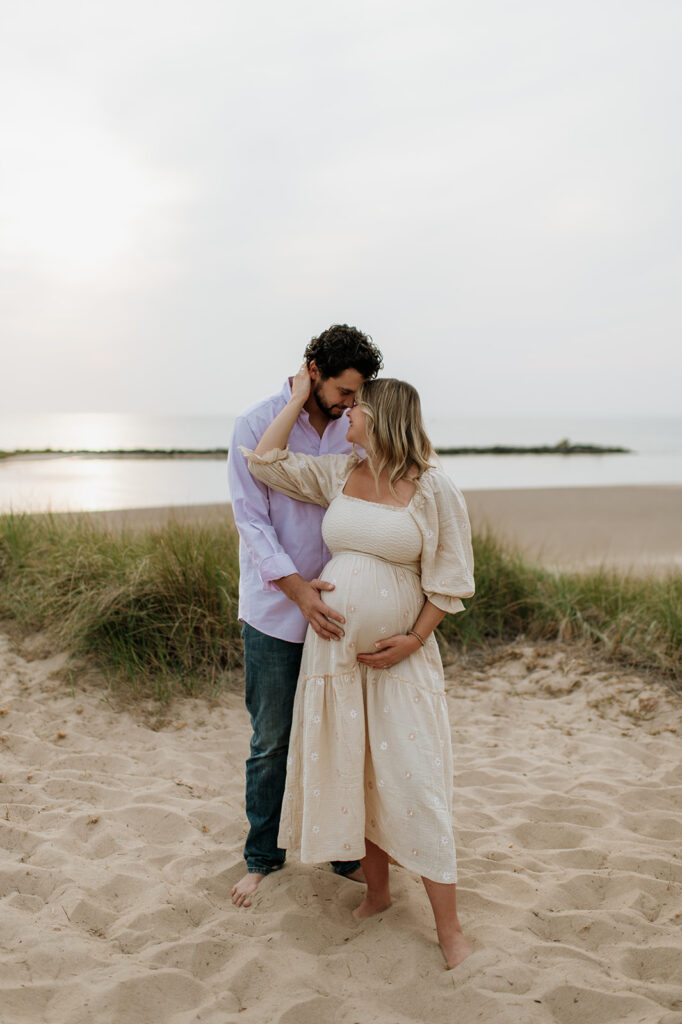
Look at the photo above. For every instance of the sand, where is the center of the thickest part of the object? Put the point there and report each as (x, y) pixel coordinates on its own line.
(121, 836)
(638, 528)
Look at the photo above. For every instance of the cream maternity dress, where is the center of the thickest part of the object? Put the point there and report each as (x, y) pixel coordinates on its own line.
(370, 751)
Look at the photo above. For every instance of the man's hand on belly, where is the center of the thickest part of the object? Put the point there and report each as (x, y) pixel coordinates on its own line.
(306, 594)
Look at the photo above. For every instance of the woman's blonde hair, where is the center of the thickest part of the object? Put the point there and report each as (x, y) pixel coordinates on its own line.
(396, 439)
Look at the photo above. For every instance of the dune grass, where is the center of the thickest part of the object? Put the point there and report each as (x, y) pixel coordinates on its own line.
(158, 607)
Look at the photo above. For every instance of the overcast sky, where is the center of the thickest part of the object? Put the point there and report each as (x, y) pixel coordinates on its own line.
(189, 191)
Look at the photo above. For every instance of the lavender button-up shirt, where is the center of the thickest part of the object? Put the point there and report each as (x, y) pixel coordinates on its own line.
(278, 536)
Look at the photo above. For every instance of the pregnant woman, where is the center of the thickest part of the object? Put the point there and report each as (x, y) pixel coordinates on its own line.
(369, 773)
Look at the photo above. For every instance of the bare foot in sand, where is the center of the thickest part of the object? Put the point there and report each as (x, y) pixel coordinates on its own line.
(373, 903)
(455, 949)
(245, 888)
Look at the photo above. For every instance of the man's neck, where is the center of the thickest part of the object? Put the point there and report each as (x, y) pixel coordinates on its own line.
(318, 419)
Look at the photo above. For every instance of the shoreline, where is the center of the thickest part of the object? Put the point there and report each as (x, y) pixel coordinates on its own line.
(633, 527)
(562, 448)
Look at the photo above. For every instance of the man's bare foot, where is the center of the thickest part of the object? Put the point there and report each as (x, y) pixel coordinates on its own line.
(245, 888)
(455, 949)
(373, 904)
(357, 876)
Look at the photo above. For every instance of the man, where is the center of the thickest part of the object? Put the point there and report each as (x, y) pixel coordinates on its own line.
(281, 552)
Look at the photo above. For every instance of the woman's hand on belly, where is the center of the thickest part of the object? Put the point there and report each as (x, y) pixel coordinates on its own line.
(390, 651)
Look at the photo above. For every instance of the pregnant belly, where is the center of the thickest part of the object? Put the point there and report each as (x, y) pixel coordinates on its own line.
(376, 598)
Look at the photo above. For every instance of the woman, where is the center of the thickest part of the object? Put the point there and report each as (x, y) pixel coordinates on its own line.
(369, 773)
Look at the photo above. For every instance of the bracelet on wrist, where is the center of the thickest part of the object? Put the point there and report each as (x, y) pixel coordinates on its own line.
(421, 639)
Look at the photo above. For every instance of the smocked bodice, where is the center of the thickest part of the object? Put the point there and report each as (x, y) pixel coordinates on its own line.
(385, 531)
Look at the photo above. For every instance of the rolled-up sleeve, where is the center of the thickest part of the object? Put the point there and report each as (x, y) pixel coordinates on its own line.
(447, 561)
(251, 508)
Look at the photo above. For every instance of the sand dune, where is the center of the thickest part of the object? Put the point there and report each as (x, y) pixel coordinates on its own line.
(120, 838)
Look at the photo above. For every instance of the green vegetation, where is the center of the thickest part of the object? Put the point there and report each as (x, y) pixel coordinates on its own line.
(635, 620)
(564, 447)
(159, 607)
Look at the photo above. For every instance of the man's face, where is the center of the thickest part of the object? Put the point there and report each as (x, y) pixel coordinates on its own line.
(336, 394)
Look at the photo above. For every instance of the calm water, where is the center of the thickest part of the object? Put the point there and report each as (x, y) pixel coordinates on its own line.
(70, 483)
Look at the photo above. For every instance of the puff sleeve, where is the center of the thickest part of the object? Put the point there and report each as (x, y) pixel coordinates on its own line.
(447, 560)
(313, 478)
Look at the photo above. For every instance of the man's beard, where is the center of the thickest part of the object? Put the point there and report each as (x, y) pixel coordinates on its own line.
(334, 412)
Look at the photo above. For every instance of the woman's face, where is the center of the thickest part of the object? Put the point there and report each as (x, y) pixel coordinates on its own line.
(356, 432)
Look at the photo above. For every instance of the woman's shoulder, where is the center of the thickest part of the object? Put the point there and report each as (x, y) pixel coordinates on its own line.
(435, 475)
(435, 481)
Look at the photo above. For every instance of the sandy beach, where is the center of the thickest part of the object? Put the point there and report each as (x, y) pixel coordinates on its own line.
(122, 831)
(637, 528)
(122, 835)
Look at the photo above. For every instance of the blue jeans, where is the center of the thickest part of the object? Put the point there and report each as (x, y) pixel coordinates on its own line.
(271, 669)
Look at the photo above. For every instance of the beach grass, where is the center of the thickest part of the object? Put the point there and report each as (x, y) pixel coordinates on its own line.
(158, 607)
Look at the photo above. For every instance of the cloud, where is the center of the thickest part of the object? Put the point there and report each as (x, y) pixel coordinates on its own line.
(489, 189)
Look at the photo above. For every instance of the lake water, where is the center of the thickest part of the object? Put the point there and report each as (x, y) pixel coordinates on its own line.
(71, 483)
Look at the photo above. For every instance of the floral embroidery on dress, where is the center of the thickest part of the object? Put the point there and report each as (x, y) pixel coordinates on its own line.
(444, 840)
(316, 829)
(383, 745)
(411, 735)
(314, 756)
(408, 775)
(384, 592)
(410, 812)
(353, 713)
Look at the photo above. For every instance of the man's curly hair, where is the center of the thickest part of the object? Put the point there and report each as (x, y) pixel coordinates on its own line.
(341, 348)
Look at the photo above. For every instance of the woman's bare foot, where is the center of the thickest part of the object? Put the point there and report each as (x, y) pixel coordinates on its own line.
(245, 888)
(373, 903)
(455, 949)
